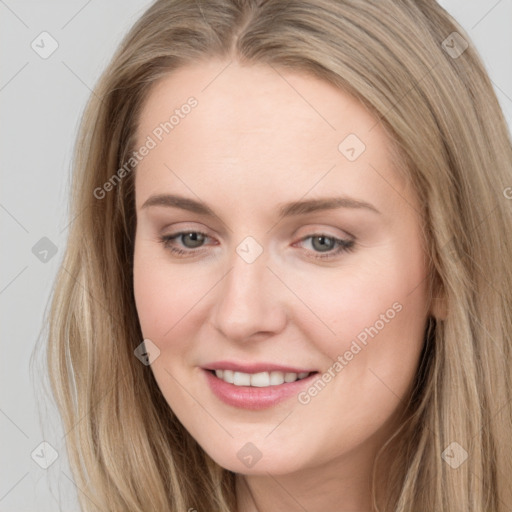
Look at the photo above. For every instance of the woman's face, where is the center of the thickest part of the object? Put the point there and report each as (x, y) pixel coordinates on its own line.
(269, 283)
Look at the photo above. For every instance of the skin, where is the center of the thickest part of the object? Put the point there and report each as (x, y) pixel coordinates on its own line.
(255, 141)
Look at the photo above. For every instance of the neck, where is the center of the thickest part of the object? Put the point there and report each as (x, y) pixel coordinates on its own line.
(339, 485)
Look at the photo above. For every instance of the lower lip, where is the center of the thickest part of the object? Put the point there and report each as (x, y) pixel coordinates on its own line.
(254, 398)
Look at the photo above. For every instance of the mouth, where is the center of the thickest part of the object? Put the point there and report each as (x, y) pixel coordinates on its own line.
(260, 379)
(256, 391)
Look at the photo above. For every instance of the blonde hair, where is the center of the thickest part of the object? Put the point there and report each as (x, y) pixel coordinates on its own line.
(126, 448)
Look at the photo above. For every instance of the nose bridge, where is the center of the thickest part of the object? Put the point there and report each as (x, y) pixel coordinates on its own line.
(248, 301)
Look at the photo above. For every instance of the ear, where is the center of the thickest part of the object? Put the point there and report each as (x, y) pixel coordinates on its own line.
(439, 308)
(439, 301)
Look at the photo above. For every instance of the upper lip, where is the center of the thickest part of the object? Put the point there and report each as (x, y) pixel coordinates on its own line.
(254, 367)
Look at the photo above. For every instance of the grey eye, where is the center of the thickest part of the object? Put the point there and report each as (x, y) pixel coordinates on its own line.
(195, 239)
(322, 245)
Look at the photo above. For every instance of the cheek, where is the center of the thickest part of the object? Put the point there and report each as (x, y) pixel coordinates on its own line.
(379, 321)
(373, 319)
(168, 297)
(160, 299)
(384, 309)
(384, 292)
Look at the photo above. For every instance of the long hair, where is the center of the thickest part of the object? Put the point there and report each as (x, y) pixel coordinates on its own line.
(429, 90)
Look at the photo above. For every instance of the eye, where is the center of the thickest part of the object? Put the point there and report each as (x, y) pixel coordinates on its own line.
(190, 239)
(327, 246)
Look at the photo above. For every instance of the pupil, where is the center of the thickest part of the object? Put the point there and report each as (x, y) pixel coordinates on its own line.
(196, 238)
(322, 239)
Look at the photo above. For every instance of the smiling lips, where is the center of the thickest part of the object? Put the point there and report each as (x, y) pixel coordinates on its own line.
(259, 380)
(255, 386)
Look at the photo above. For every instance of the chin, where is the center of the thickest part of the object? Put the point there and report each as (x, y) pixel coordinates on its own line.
(248, 459)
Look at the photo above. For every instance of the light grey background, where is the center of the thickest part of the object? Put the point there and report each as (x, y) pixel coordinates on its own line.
(42, 101)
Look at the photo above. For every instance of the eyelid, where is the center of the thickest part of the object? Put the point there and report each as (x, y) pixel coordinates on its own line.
(311, 232)
(344, 245)
(317, 229)
(325, 234)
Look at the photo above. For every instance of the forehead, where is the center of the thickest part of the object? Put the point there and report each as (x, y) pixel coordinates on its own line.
(258, 128)
(253, 99)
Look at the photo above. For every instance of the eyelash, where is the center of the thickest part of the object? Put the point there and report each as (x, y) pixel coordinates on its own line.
(343, 245)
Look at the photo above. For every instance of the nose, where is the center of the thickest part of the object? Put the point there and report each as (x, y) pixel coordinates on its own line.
(250, 301)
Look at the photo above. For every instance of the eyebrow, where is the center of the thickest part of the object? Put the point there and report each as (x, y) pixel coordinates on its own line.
(291, 209)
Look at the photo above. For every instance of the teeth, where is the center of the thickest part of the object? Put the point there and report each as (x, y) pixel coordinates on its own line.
(228, 376)
(276, 378)
(259, 380)
(241, 379)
